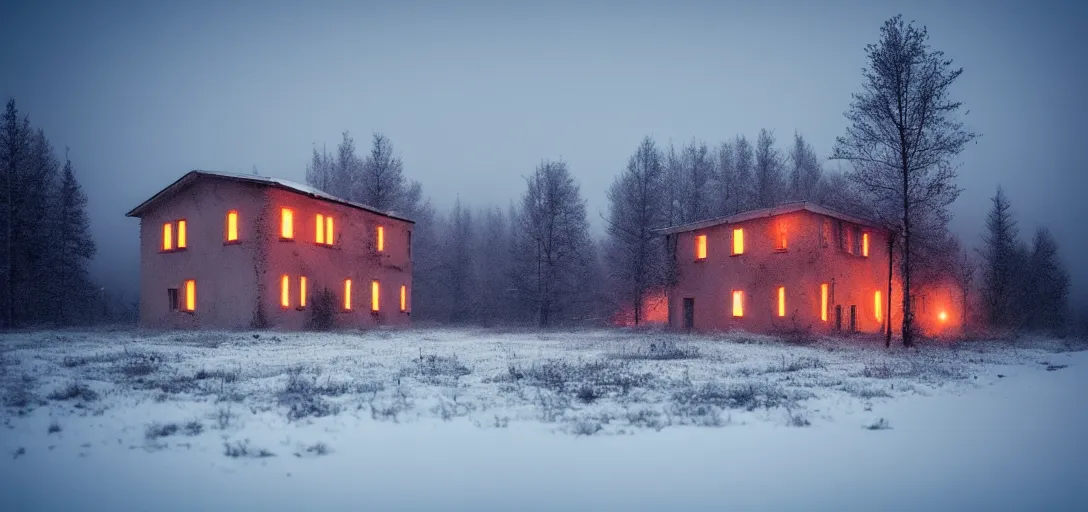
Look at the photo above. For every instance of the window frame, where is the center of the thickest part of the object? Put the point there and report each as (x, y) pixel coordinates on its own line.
(700, 247)
(172, 227)
(287, 220)
(231, 221)
(734, 241)
(189, 305)
(737, 303)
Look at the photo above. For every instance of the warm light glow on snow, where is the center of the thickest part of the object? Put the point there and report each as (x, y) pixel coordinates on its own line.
(781, 301)
(738, 303)
(738, 241)
(375, 292)
(700, 247)
(232, 226)
(287, 223)
(347, 294)
(823, 302)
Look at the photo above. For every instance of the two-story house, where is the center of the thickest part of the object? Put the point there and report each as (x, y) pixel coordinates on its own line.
(221, 250)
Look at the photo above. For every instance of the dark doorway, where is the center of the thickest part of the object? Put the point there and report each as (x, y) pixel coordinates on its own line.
(853, 318)
(838, 317)
(689, 313)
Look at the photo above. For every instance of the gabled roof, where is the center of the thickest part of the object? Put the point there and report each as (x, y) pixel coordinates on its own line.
(298, 188)
(769, 212)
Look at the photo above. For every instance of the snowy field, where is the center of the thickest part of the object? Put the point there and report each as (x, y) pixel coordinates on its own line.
(522, 420)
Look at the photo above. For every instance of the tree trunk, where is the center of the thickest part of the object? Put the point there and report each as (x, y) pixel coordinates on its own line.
(908, 320)
(888, 307)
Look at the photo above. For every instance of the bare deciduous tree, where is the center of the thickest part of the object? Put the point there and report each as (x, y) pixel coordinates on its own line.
(904, 133)
(805, 171)
(637, 206)
(768, 181)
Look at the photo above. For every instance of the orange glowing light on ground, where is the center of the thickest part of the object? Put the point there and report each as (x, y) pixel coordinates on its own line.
(738, 241)
(655, 310)
(738, 303)
(232, 226)
(700, 247)
(823, 302)
(287, 223)
(381, 238)
(942, 316)
(347, 294)
(375, 293)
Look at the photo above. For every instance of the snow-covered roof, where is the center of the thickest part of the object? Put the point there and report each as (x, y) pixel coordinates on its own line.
(268, 181)
(768, 212)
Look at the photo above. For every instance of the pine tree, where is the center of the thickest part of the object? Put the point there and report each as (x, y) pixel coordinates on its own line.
(75, 248)
(1047, 285)
(1000, 258)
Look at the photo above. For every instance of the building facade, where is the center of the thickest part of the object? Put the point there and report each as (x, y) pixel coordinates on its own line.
(230, 251)
(794, 267)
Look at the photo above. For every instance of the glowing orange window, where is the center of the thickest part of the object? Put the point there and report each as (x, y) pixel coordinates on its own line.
(302, 291)
(182, 242)
(375, 293)
(347, 294)
(878, 306)
(285, 291)
(738, 303)
(319, 229)
(865, 244)
(168, 236)
(700, 247)
(287, 224)
(329, 239)
(381, 238)
(781, 301)
(190, 295)
(232, 226)
(738, 241)
(780, 239)
(403, 298)
(823, 302)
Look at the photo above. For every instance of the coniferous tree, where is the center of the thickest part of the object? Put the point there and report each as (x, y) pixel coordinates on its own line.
(75, 248)
(1000, 257)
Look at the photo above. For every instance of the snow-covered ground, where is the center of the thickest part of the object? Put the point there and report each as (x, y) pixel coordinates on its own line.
(522, 420)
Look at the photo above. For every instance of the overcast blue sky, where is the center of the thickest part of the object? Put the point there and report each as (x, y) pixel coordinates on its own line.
(475, 94)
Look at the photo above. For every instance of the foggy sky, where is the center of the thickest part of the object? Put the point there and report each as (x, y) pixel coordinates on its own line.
(474, 95)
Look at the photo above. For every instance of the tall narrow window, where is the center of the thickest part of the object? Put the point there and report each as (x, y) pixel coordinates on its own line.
(403, 298)
(302, 291)
(738, 303)
(285, 291)
(168, 236)
(190, 295)
(780, 239)
(319, 230)
(329, 239)
(826, 233)
(381, 238)
(781, 301)
(347, 295)
(848, 234)
(232, 226)
(287, 224)
(738, 241)
(865, 244)
(182, 242)
(823, 302)
(700, 247)
(375, 293)
(878, 306)
(172, 297)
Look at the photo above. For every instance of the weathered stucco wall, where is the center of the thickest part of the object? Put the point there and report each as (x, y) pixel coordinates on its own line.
(224, 273)
(805, 264)
(353, 256)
